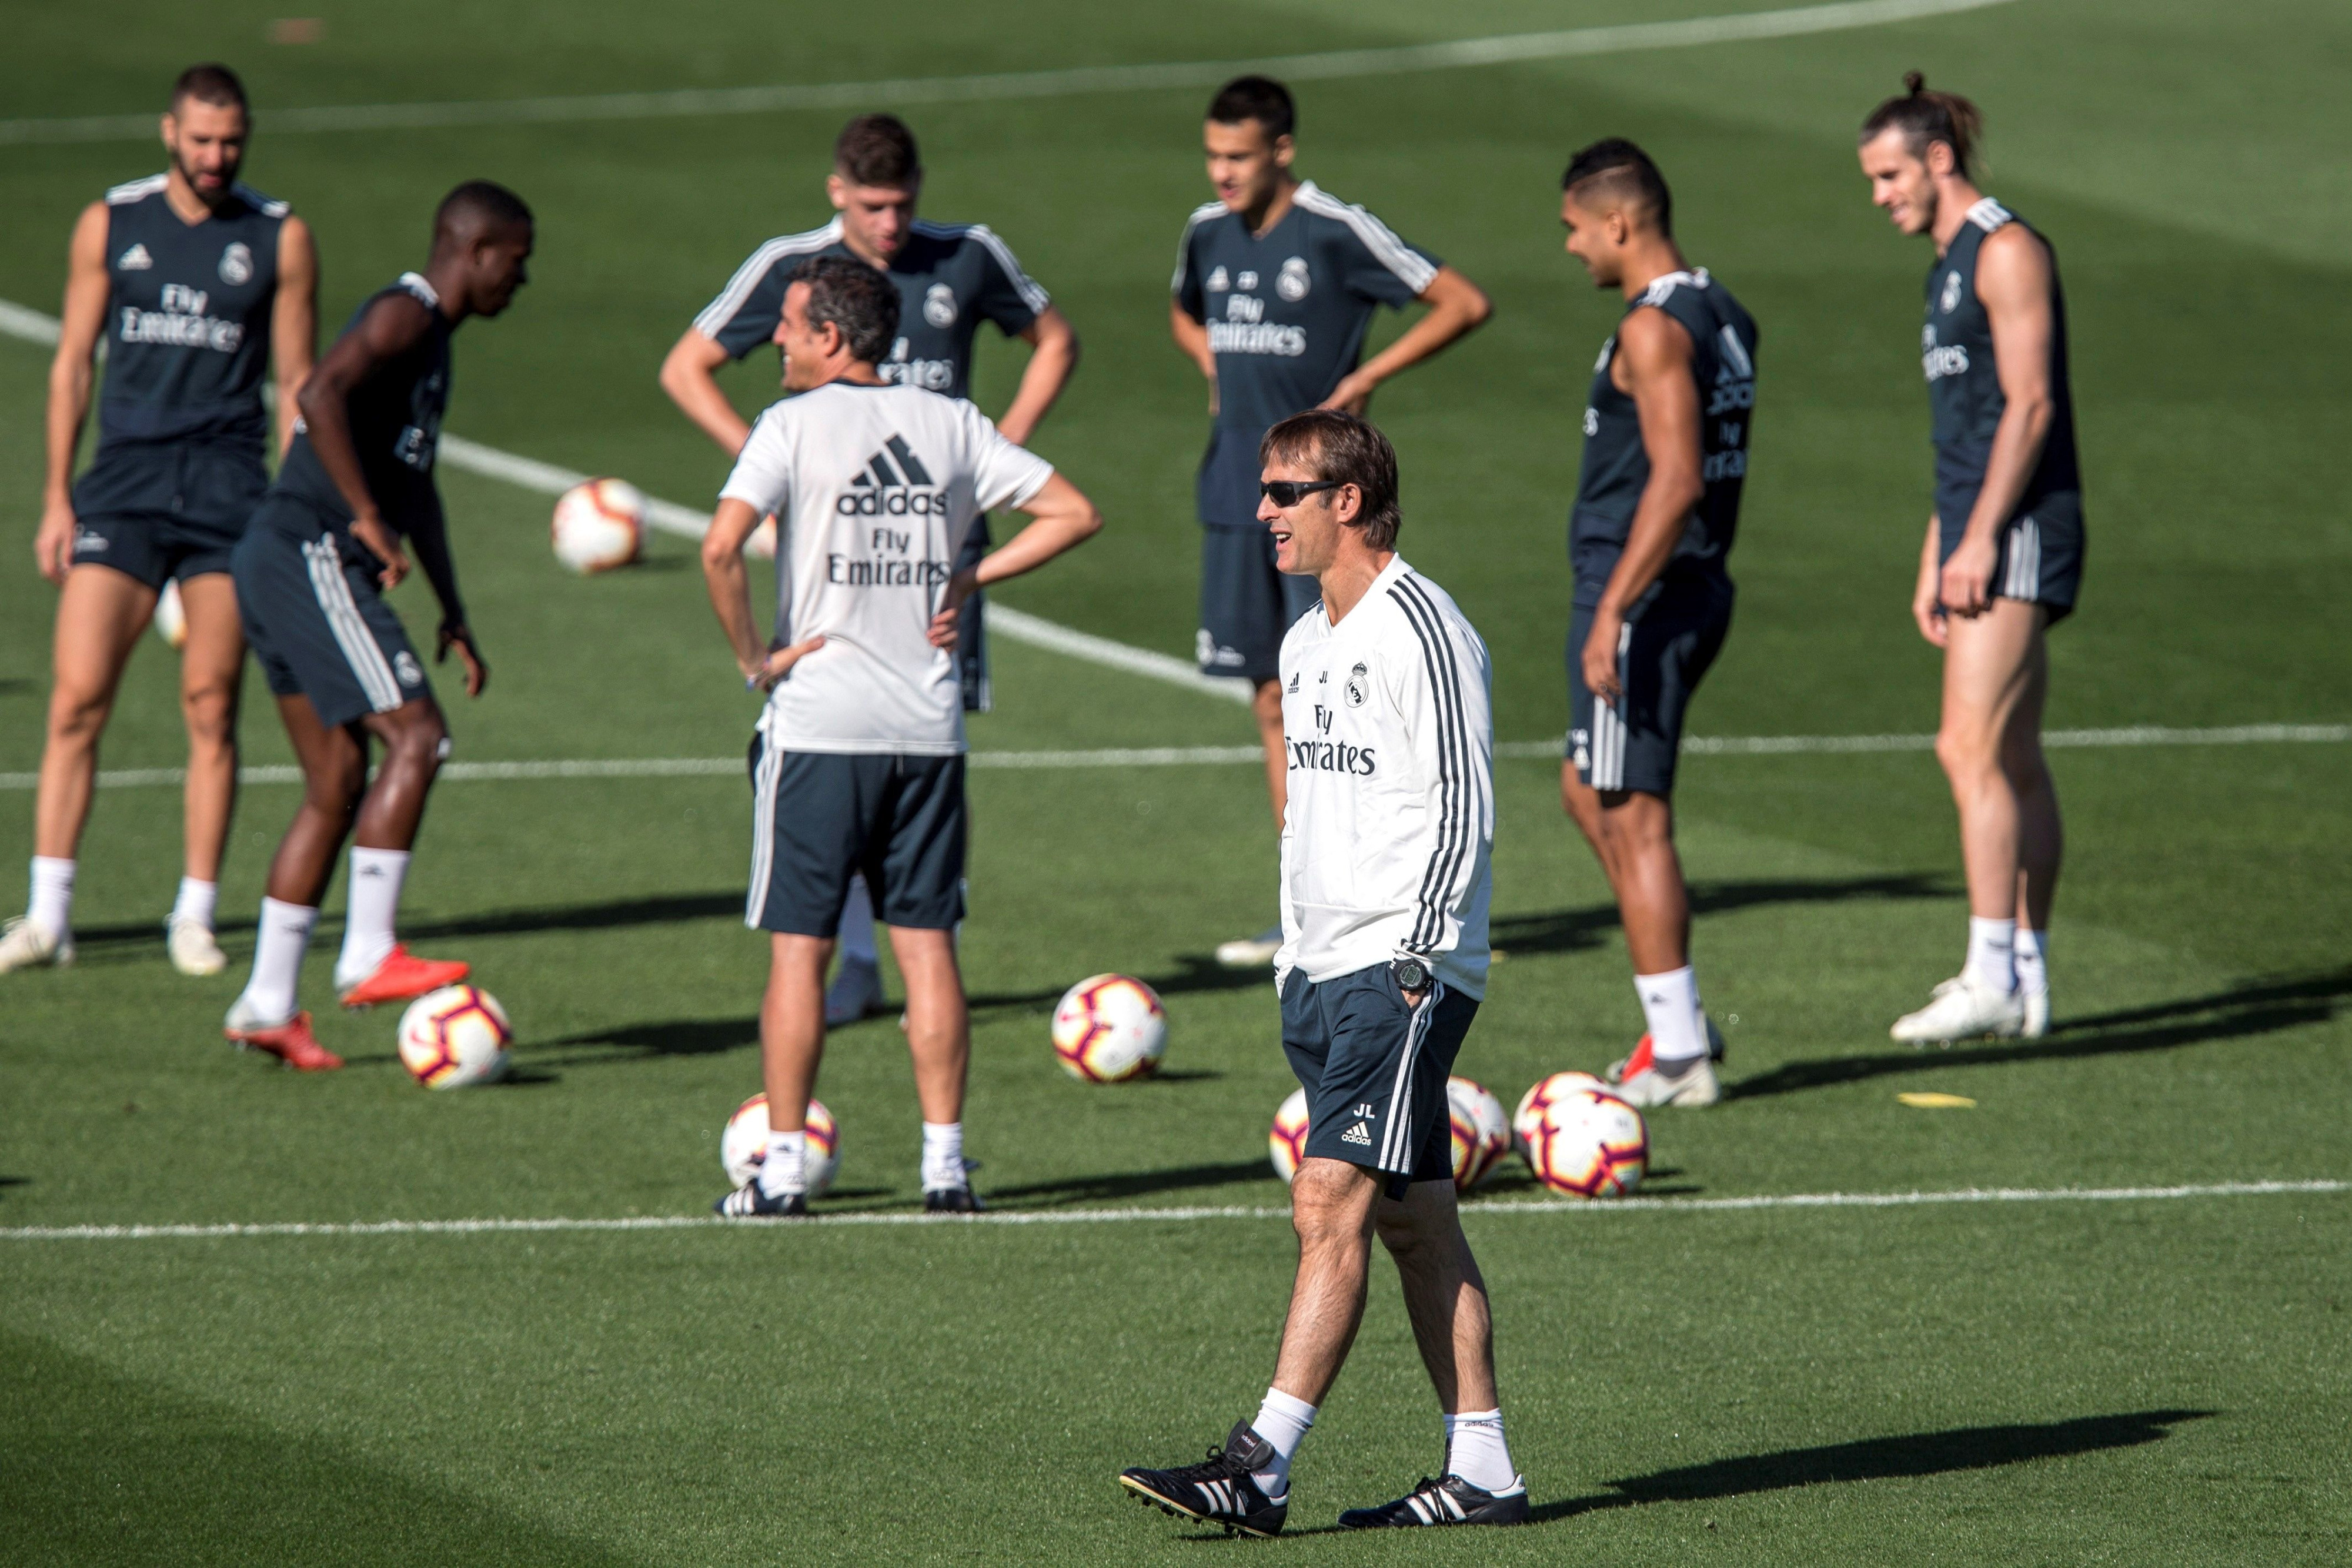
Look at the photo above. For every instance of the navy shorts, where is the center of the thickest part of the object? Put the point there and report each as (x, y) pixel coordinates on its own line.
(154, 548)
(1663, 653)
(2040, 559)
(1246, 605)
(315, 618)
(1374, 1071)
(817, 818)
(971, 626)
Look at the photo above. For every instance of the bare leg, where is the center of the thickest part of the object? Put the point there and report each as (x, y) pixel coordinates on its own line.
(1445, 1295)
(211, 671)
(413, 735)
(100, 612)
(1266, 707)
(938, 1025)
(1331, 1205)
(334, 772)
(1639, 828)
(1988, 663)
(2041, 835)
(791, 1026)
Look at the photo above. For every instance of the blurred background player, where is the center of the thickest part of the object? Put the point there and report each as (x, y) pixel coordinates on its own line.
(1666, 450)
(1387, 839)
(858, 765)
(2003, 557)
(197, 282)
(357, 482)
(1275, 286)
(949, 278)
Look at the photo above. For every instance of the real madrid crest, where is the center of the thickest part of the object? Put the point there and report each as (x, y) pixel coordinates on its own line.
(1292, 282)
(1355, 690)
(939, 305)
(1951, 292)
(236, 264)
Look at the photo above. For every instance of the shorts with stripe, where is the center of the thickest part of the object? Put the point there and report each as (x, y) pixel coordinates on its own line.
(1663, 653)
(308, 595)
(1374, 1070)
(819, 818)
(2040, 559)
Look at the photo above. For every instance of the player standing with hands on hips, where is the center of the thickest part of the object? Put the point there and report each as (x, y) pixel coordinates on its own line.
(2003, 557)
(1387, 830)
(858, 768)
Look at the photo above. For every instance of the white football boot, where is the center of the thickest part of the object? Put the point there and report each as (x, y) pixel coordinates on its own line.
(194, 950)
(2037, 1012)
(1960, 1008)
(1650, 1088)
(28, 945)
(856, 992)
(1251, 952)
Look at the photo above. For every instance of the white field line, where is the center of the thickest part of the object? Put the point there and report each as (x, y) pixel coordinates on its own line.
(1178, 1216)
(698, 101)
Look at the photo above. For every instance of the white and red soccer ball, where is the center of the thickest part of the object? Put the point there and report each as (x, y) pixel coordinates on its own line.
(743, 1146)
(1286, 1143)
(599, 524)
(1580, 1139)
(1109, 1029)
(171, 618)
(455, 1037)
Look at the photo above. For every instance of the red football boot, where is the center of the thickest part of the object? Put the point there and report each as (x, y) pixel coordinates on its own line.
(1627, 1066)
(403, 976)
(292, 1042)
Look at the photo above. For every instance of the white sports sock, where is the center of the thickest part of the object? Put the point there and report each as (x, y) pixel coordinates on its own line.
(277, 959)
(1670, 1002)
(944, 1156)
(197, 900)
(855, 931)
(1475, 1451)
(785, 1169)
(50, 906)
(1282, 1421)
(2032, 959)
(1992, 953)
(376, 877)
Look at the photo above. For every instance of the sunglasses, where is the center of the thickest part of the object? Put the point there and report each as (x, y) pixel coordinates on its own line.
(1288, 492)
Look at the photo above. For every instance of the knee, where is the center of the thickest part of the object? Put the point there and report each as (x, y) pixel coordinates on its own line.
(1324, 1207)
(1407, 1242)
(420, 741)
(1963, 754)
(211, 712)
(77, 714)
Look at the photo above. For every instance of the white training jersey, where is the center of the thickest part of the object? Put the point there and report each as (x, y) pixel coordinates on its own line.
(874, 488)
(1387, 837)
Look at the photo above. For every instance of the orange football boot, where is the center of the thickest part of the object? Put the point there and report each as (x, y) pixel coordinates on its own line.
(403, 976)
(292, 1042)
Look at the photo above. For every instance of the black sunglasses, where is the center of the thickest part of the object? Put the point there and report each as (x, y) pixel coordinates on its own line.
(1288, 492)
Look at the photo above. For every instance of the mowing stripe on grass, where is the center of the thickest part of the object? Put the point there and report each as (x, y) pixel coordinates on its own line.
(1508, 49)
(1176, 1216)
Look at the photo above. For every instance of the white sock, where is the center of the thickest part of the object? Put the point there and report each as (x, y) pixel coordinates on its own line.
(944, 1156)
(376, 877)
(1283, 1422)
(197, 900)
(277, 959)
(785, 1170)
(2032, 959)
(1992, 953)
(1475, 1451)
(856, 932)
(50, 906)
(1670, 1002)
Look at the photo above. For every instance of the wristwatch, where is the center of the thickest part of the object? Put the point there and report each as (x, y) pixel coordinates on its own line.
(1410, 974)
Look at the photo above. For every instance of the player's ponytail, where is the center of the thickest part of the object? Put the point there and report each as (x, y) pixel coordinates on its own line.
(1926, 116)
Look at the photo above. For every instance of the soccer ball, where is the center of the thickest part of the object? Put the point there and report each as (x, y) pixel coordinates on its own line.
(1531, 1103)
(171, 616)
(1481, 1135)
(1109, 1029)
(1582, 1141)
(454, 1036)
(599, 524)
(759, 544)
(1286, 1143)
(743, 1146)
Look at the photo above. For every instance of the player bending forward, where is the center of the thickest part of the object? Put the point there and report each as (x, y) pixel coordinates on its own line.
(359, 480)
(1386, 835)
(197, 282)
(859, 764)
(2003, 557)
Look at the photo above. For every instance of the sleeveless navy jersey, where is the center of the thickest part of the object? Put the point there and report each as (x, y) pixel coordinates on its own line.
(1617, 467)
(396, 419)
(1287, 313)
(950, 278)
(1956, 352)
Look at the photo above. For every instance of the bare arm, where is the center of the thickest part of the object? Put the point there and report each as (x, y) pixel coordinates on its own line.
(1192, 337)
(1653, 356)
(730, 598)
(71, 372)
(392, 326)
(294, 321)
(689, 373)
(1927, 595)
(1062, 519)
(1053, 359)
(1457, 307)
(2014, 280)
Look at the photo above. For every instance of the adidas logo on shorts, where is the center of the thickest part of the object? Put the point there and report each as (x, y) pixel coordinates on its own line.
(1358, 1133)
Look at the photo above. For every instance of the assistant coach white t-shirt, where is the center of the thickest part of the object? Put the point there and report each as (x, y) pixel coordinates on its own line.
(874, 488)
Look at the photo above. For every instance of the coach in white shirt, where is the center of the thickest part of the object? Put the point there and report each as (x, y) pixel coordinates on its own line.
(858, 767)
(1386, 840)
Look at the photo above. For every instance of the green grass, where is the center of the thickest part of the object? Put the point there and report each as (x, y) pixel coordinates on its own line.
(2137, 1383)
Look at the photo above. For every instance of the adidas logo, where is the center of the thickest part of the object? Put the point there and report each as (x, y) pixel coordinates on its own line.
(1737, 365)
(895, 484)
(1358, 1133)
(1294, 683)
(135, 259)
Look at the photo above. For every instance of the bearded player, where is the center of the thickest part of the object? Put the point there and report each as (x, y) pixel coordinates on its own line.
(197, 284)
(2003, 555)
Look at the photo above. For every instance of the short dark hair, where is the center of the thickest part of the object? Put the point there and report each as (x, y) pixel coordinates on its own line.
(878, 149)
(1926, 118)
(478, 204)
(1623, 172)
(1261, 99)
(854, 298)
(210, 83)
(1335, 445)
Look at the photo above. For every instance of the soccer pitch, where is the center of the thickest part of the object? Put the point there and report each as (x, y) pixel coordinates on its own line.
(2132, 1353)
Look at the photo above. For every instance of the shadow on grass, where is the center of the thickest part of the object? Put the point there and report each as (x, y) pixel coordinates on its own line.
(1132, 1184)
(2258, 1008)
(1574, 930)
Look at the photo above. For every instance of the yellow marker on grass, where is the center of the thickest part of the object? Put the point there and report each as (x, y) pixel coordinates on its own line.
(1922, 1101)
